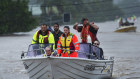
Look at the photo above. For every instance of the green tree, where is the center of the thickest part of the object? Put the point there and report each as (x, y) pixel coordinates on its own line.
(15, 17)
(97, 10)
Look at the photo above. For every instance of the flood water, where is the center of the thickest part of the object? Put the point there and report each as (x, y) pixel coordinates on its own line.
(125, 48)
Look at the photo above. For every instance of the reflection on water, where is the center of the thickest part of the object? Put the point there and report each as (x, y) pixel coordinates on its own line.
(123, 46)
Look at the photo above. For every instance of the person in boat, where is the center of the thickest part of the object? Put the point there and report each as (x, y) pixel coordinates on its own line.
(48, 51)
(43, 36)
(121, 22)
(87, 29)
(126, 23)
(97, 43)
(68, 44)
(57, 33)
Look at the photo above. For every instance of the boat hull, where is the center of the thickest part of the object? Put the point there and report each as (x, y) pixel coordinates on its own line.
(126, 29)
(67, 68)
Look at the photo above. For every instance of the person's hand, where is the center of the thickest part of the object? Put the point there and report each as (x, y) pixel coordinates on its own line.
(95, 26)
(75, 26)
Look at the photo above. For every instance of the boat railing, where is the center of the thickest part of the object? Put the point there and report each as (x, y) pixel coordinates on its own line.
(86, 50)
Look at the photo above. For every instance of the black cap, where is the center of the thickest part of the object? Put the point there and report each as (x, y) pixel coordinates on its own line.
(67, 27)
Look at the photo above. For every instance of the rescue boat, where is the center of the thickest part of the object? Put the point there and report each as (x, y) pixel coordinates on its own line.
(85, 66)
(130, 28)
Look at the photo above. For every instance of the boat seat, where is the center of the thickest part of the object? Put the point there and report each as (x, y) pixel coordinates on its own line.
(37, 49)
(96, 52)
(88, 51)
(84, 50)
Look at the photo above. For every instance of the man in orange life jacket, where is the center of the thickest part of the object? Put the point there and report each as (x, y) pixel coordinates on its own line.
(87, 29)
(68, 44)
(43, 36)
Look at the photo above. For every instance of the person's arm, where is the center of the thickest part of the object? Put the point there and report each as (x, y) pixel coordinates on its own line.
(78, 28)
(75, 42)
(34, 40)
(51, 40)
(94, 26)
(59, 47)
(75, 26)
(93, 33)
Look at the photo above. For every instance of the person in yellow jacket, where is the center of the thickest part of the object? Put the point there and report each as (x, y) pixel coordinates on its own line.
(43, 36)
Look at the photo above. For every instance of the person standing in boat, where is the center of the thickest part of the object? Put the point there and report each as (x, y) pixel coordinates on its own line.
(57, 33)
(43, 36)
(68, 44)
(87, 29)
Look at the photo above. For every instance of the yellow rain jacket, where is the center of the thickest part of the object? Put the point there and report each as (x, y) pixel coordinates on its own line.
(38, 38)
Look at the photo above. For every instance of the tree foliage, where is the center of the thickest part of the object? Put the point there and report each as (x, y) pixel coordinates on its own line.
(97, 10)
(15, 17)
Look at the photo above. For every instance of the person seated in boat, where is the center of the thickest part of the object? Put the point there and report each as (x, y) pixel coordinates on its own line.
(43, 36)
(48, 51)
(87, 29)
(127, 23)
(68, 44)
(97, 43)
